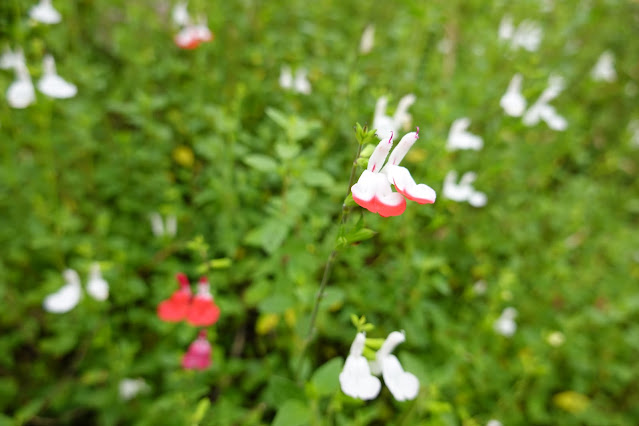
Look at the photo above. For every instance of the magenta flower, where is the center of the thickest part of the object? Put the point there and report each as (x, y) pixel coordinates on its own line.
(373, 191)
(198, 356)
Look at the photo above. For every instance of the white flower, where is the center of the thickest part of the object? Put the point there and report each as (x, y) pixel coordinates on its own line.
(356, 379)
(299, 83)
(21, 94)
(513, 102)
(463, 191)
(459, 138)
(52, 85)
(67, 297)
(45, 13)
(493, 422)
(403, 385)
(129, 388)
(527, 35)
(180, 14)
(541, 110)
(161, 228)
(10, 59)
(368, 39)
(385, 124)
(506, 28)
(505, 324)
(97, 287)
(479, 287)
(604, 69)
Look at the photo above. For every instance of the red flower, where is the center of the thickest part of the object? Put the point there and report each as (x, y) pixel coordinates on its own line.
(199, 311)
(177, 306)
(203, 311)
(198, 356)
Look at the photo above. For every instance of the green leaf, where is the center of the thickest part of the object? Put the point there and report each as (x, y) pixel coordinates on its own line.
(318, 178)
(269, 236)
(359, 235)
(292, 413)
(261, 162)
(325, 379)
(221, 263)
(281, 390)
(200, 410)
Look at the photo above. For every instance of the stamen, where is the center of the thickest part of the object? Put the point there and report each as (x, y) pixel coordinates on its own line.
(417, 133)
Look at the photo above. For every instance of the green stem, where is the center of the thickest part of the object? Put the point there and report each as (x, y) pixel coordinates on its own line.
(327, 270)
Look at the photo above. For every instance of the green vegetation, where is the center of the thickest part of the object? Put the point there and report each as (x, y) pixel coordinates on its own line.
(257, 175)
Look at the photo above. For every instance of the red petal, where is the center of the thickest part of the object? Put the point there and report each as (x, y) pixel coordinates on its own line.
(203, 312)
(175, 308)
(387, 210)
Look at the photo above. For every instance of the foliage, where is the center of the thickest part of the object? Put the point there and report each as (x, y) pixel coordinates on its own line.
(257, 176)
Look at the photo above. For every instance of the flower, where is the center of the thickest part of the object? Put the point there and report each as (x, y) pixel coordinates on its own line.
(493, 422)
(505, 324)
(513, 101)
(403, 385)
(176, 307)
(203, 310)
(45, 13)
(198, 356)
(463, 191)
(356, 379)
(368, 40)
(527, 35)
(52, 85)
(67, 297)
(21, 93)
(200, 310)
(373, 192)
(97, 287)
(10, 59)
(129, 388)
(299, 83)
(459, 138)
(180, 14)
(160, 228)
(384, 124)
(541, 110)
(604, 69)
(192, 35)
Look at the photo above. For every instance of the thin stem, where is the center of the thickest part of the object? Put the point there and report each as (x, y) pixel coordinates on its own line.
(327, 269)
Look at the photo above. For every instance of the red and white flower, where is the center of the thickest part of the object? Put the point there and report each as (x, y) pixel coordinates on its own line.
(373, 191)
(199, 311)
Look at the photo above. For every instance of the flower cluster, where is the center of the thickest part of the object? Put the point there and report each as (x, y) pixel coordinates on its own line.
(358, 380)
(191, 33)
(68, 296)
(463, 191)
(45, 13)
(373, 189)
(527, 34)
(198, 310)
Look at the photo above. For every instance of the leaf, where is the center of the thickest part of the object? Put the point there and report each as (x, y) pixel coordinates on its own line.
(318, 178)
(278, 117)
(261, 162)
(200, 411)
(281, 389)
(358, 235)
(292, 413)
(325, 379)
(269, 236)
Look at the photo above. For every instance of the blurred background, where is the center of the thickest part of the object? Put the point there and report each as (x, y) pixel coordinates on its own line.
(254, 170)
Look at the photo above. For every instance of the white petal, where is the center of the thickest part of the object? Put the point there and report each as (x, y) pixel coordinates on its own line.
(402, 148)
(20, 94)
(171, 225)
(157, 226)
(405, 184)
(45, 13)
(376, 161)
(403, 385)
(55, 86)
(477, 199)
(552, 119)
(368, 39)
(180, 14)
(459, 138)
(301, 84)
(286, 77)
(67, 297)
(356, 379)
(506, 28)
(129, 388)
(97, 287)
(604, 69)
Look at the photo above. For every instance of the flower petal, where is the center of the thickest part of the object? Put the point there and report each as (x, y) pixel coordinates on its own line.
(403, 385)
(356, 379)
(202, 312)
(405, 185)
(67, 297)
(97, 287)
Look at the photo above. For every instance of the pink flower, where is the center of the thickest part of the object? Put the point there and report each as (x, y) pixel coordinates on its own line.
(191, 36)
(198, 356)
(373, 191)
